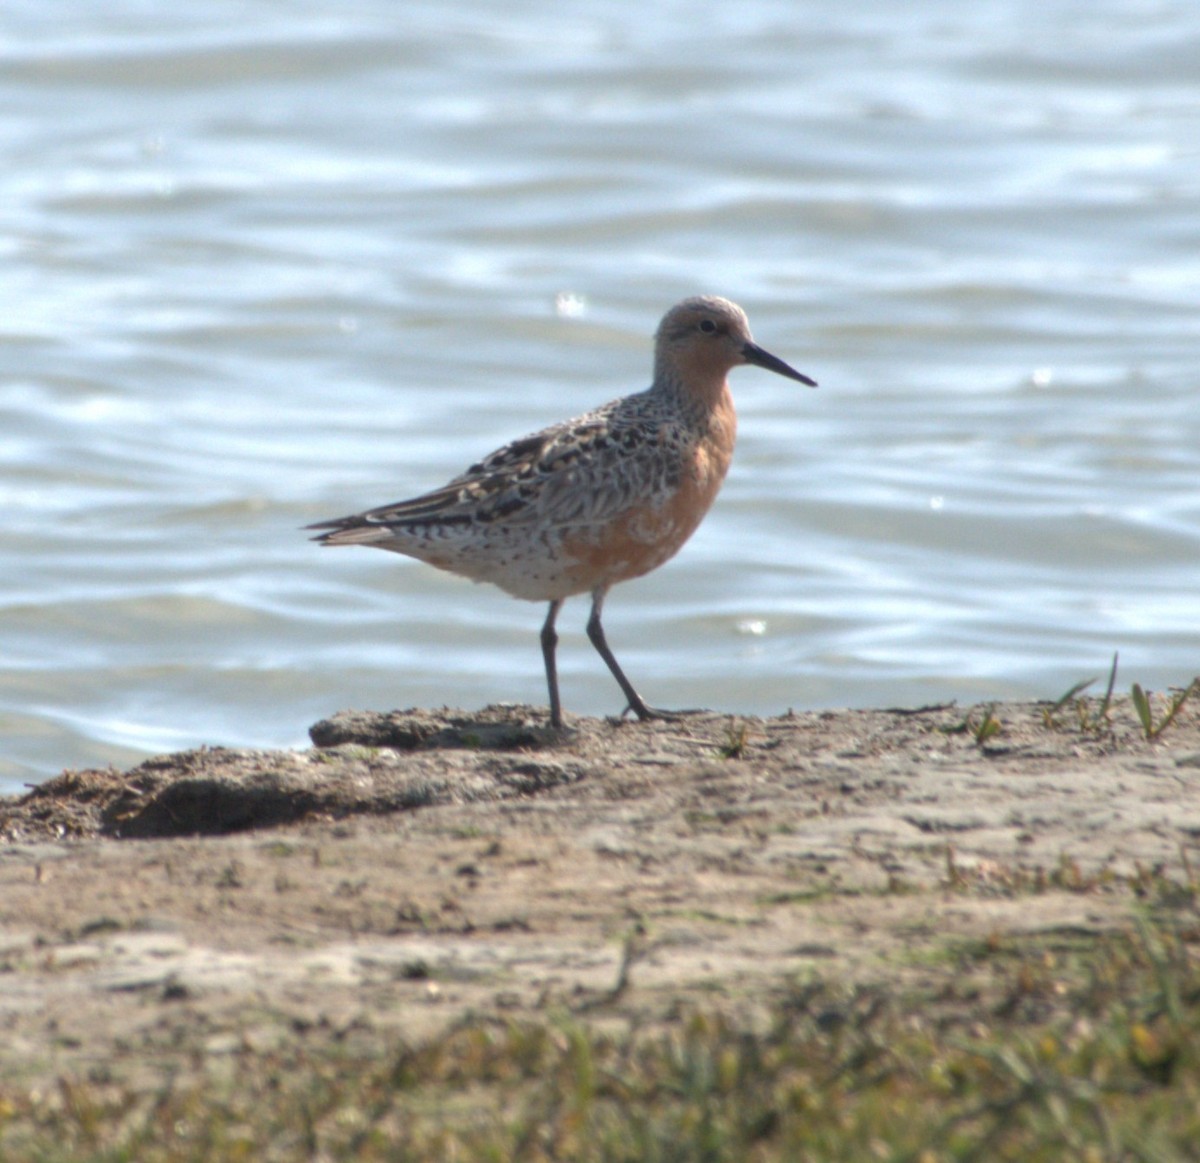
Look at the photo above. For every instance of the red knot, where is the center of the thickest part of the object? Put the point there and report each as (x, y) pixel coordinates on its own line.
(592, 501)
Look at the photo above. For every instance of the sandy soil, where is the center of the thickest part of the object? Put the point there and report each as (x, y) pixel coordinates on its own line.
(414, 867)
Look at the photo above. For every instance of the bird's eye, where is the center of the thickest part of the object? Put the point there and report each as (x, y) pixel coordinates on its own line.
(707, 326)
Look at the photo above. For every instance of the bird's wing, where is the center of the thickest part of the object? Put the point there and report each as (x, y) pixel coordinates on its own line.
(580, 472)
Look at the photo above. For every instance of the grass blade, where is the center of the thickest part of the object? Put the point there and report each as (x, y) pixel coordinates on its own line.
(1112, 682)
(1141, 704)
(1078, 688)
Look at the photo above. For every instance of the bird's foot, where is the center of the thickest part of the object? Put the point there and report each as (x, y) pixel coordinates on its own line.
(646, 713)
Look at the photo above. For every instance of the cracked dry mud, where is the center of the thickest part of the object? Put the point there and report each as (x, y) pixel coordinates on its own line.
(418, 866)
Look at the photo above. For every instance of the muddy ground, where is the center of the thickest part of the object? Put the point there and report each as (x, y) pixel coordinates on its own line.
(416, 867)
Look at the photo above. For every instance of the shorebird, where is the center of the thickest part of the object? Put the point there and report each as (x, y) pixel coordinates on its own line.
(589, 502)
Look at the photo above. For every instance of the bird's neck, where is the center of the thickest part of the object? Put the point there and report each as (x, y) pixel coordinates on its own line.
(697, 391)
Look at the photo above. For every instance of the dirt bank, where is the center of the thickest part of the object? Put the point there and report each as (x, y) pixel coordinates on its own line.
(413, 867)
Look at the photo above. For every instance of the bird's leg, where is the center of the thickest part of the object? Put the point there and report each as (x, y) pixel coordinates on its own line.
(549, 642)
(595, 632)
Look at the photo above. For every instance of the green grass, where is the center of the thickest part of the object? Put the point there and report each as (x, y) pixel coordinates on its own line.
(981, 729)
(1095, 718)
(1085, 1051)
(737, 736)
(1142, 703)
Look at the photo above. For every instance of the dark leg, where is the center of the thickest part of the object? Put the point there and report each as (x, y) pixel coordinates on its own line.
(596, 633)
(549, 642)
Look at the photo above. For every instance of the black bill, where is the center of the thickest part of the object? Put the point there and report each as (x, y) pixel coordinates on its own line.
(760, 358)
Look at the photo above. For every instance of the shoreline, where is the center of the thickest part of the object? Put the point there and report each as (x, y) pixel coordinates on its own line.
(423, 866)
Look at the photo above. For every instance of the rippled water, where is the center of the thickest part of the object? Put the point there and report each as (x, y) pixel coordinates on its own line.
(264, 264)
